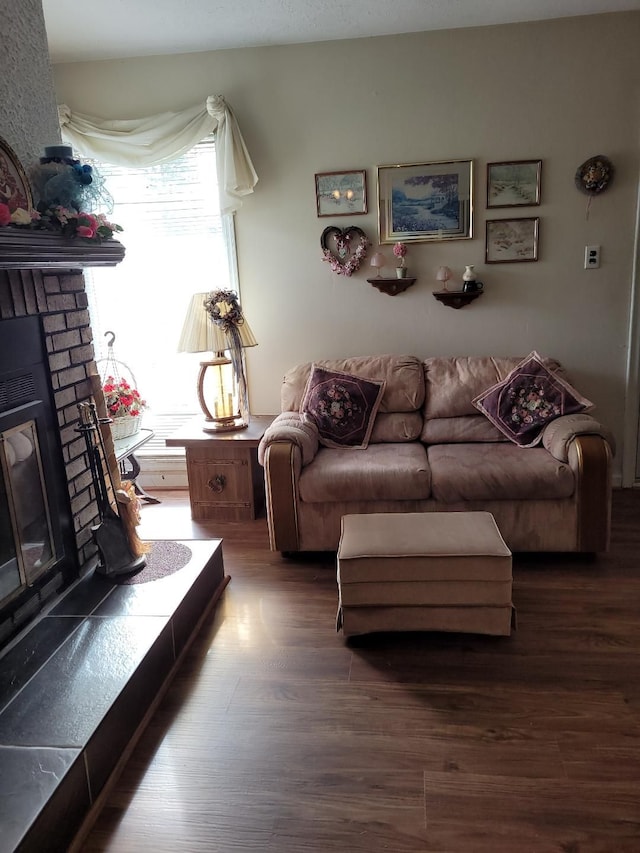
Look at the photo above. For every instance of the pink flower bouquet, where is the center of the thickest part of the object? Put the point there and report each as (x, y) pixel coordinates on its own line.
(400, 251)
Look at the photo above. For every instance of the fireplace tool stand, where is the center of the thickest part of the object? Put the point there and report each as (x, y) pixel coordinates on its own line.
(117, 556)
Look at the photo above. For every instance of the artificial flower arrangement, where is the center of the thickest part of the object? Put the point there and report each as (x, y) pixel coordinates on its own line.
(400, 251)
(344, 261)
(65, 187)
(69, 223)
(19, 216)
(348, 267)
(91, 226)
(122, 400)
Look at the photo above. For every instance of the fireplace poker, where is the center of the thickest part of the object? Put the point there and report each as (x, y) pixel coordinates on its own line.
(117, 556)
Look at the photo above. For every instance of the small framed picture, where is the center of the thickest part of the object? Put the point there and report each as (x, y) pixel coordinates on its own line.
(341, 193)
(15, 191)
(514, 184)
(420, 202)
(511, 241)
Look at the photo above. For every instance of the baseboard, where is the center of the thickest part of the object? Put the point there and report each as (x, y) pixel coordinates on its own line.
(163, 472)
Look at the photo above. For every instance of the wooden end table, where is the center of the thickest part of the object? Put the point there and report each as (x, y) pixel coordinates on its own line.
(226, 483)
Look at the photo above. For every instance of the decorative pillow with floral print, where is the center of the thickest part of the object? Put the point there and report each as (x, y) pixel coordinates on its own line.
(529, 398)
(343, 406)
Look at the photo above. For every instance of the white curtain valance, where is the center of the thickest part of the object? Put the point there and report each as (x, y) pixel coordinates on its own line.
(155, 139)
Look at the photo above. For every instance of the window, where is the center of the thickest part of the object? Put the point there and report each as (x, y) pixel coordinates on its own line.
(177, 243)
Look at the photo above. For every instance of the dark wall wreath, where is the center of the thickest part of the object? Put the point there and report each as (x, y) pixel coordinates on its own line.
(595, 175)
(344, 249)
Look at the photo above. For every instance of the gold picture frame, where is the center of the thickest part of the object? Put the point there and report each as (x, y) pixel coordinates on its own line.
(424, 202)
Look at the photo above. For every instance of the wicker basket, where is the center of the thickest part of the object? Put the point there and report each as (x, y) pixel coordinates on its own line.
(125, 427)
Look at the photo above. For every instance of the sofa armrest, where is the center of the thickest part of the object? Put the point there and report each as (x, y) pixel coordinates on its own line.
(558, 435)
(290, 443)
(293, 428)
(587, 446)
(282, 462)
(590, 460)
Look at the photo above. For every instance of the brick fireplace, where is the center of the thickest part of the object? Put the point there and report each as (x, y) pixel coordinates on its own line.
(37, 279)
(78, 684)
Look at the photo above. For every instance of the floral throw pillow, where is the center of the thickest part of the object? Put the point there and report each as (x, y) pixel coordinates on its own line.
(343, 406)
(528, 399)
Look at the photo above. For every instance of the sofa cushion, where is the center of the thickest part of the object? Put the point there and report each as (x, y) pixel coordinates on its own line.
(404, 375)
(479, 472)
(529, 398)
(452, 383)
(343, 406)
(463, 429)
(398, 426)
(392, 472)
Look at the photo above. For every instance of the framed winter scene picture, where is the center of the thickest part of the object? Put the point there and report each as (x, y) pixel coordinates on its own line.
(513, 184)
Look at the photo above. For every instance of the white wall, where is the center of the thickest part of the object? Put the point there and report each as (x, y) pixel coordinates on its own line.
(561, 91)
(28, 116)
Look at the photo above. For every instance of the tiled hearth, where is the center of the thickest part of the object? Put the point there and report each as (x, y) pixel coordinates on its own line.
(76, 687)
(82, 658)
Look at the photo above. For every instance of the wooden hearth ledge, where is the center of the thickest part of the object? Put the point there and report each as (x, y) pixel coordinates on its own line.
(25, 249)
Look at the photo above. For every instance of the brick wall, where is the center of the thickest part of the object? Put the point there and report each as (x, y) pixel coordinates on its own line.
(60, 299)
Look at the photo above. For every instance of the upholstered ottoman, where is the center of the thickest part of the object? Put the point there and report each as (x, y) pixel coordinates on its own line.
(423, 571)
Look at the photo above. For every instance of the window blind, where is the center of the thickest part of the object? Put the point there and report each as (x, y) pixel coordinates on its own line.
(177, 243)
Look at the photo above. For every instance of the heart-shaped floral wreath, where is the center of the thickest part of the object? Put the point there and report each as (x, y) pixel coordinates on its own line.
(338, 248)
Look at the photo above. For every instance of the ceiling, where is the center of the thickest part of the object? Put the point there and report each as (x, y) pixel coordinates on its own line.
(123, 28)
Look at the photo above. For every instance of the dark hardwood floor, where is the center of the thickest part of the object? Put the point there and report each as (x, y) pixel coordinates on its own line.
(276, 736)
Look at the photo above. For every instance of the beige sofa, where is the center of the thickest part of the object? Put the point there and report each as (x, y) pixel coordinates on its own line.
(431, 450)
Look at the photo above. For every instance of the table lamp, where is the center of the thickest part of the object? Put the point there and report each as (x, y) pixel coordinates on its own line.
(221, 379)
(443, 275)
(378, 260)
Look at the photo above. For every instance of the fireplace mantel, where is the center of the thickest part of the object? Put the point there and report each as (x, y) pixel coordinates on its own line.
(25, 249)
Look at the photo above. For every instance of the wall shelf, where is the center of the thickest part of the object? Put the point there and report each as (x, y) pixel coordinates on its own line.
(391, 286)
(456, 298)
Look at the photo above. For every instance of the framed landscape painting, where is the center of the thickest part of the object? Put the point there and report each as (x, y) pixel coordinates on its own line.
(511, 241)
(514, 184)
(420, 202)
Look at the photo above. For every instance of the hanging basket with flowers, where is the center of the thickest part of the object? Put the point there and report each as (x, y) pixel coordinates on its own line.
(123, 400)
(124, 405)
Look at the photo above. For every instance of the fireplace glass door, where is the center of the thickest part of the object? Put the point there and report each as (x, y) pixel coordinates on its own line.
(26, 540)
